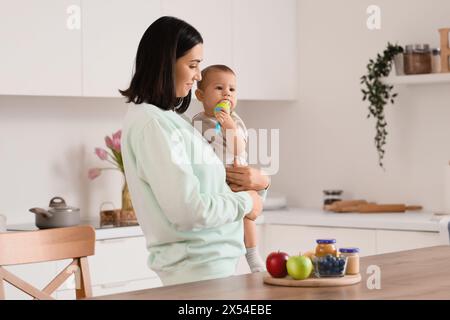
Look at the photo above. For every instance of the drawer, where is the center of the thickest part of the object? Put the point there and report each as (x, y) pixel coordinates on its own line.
(119, 260)
(393, 241)
(36, 274)
(112, 288)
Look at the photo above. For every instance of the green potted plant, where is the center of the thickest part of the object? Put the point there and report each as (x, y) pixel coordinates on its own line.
(379, 94)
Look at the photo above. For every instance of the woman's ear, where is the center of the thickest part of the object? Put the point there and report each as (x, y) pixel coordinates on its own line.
(199, 95)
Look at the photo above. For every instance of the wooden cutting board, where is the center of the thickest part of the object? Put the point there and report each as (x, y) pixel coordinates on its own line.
(313, 282)
(363, 206)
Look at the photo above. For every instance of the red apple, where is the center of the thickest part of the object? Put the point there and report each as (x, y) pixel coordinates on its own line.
(276, 264)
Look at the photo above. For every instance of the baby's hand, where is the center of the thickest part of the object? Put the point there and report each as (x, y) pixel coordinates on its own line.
(225, 120)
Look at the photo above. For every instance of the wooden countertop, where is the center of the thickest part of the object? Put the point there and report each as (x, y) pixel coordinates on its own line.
(415, 274)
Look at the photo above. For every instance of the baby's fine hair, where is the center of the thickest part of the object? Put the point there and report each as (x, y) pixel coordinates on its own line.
(207, 70)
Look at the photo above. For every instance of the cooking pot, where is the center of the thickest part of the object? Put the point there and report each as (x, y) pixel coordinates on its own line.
(57, 215)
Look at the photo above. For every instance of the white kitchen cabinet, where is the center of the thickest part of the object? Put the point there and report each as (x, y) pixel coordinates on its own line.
(212, 18)
(393, 240)
(36, 274)
(118, 265)
(265, 49)
(111, 34)
(295, 239)
(256, 38)
(40, 54)
(113, 288)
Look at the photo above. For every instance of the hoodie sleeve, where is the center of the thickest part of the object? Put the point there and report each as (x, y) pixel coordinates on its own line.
(163, 163)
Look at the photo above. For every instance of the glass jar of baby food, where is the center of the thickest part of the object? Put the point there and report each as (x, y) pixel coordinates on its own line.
(325, 246)
(352, 259)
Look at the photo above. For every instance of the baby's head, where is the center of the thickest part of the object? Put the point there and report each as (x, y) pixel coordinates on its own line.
(218, 83)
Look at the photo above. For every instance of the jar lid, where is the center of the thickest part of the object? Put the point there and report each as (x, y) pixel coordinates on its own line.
(326, 241)
(336, 192)
(422, 47)
(349, 250)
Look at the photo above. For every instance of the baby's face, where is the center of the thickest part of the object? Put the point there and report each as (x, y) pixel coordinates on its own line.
(220, 85)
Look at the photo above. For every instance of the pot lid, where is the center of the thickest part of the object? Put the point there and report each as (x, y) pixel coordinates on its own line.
(58, 204)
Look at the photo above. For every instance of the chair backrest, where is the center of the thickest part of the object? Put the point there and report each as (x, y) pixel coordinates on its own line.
(75, 243)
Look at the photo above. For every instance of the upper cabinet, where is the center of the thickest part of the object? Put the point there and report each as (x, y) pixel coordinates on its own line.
(41, 55)
(40, 47)
(111, 34)
(212, 18)
(265, 49)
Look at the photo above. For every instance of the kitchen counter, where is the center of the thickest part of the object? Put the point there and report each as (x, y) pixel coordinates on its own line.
(412, 221)
(409, 221)
(102, 231)
(427, 277)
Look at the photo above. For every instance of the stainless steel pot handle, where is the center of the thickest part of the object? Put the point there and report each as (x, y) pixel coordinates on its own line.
(41, 212)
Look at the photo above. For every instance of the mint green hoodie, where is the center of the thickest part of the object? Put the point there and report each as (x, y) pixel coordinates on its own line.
(191, 219)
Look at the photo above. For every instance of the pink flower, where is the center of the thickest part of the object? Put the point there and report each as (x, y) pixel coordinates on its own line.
(109, 142)
(116, 144)
(101, 153)
(94, 173)
(117, 135)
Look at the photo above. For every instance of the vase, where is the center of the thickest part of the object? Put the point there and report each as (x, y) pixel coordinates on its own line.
(127, 212)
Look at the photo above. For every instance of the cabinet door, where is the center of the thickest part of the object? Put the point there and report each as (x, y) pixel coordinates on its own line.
(212, 18)
(36, 274)
(111, 34)
(265, 48)
(295, 239)
(118, 260)
(392, 241)
(113, 288)
(40, 47)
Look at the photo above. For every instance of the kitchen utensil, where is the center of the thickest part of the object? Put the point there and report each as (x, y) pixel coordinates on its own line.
(338, 205)
(314, 282)
(57, 215)
(378, 208)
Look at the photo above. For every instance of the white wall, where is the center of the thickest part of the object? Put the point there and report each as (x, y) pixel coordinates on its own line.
(326, 140)
(47, 143)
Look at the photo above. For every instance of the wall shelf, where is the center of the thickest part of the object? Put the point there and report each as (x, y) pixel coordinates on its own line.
(434, 78)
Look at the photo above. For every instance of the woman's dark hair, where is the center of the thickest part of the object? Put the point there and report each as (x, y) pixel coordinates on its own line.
(153, 82)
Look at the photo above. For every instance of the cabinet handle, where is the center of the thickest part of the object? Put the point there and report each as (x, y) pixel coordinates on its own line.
(106, 241)
(114, 285)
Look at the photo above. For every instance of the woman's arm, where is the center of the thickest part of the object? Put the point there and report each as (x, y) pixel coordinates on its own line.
(163, 164)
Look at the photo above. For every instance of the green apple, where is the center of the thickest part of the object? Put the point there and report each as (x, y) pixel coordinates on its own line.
(299, 267)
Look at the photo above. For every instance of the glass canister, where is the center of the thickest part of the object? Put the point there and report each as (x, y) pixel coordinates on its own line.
(331, 196)
(325, 246)
(352, 259)
(417, 59)
(436, 60)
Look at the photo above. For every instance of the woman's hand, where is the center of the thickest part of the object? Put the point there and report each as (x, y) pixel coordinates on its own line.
(246, 178)
(257, 206)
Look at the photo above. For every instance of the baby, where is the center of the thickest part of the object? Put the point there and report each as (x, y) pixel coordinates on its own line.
(218, 84)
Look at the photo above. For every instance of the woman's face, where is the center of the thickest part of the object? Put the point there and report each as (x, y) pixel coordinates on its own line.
(187, 70)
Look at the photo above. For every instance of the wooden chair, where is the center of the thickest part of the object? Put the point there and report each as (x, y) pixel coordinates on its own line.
(48, 245)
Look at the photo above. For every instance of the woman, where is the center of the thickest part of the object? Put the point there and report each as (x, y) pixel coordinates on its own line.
(190, 217)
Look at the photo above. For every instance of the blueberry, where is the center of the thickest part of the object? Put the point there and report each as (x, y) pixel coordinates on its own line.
(341, 263)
